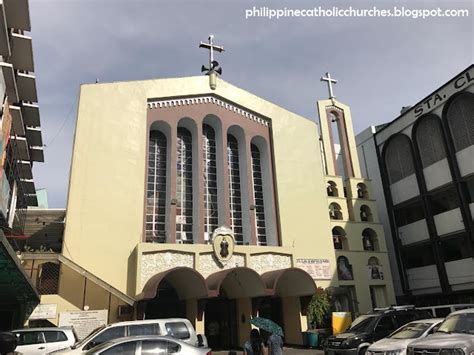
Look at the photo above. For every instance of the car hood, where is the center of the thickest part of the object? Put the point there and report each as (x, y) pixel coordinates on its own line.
(453, 340)
(390, 344)
(346, 335)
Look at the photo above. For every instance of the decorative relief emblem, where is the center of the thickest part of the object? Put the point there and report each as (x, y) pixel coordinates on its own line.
(223, 244)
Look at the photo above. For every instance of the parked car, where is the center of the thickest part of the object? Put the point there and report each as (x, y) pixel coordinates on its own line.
(178, 328)
(368, 328)
(150, 344)
(455, 336)
(444, 310)
(43, 340)
(397, 342)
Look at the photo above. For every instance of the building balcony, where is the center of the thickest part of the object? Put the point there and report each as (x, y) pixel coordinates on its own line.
(17, 120)
(28, 186)
(33, 134)
(10, 82)
(25, 169)
(424, 279)
(18, 14)
(449, 222)
(404, 189)
(4, 33)
(31, 114)
(414, 232)
(460, 274)
(437, 174)
(465, 161)
(37, 154)
(22, 52)
(22, 147)
(26, 84)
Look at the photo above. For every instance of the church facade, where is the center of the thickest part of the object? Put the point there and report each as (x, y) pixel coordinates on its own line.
(190, 197)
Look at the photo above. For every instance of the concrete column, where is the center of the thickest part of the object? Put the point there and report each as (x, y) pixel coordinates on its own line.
(246, 179)
(292, 320)
(244, 313)
(171, 176)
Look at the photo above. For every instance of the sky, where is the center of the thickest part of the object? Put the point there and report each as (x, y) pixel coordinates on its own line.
(381, 63)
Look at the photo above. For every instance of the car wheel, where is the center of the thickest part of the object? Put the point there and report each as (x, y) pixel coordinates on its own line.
(362, 351)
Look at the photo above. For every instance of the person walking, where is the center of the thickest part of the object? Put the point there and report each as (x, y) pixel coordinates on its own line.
(254, 346)
(275, 344)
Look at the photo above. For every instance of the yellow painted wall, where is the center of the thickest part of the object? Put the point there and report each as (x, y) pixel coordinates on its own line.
(244, 308)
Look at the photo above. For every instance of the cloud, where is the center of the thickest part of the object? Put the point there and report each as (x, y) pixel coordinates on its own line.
(382, 63)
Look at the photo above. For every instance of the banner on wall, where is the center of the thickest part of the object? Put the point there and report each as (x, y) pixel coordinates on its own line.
(319, 269)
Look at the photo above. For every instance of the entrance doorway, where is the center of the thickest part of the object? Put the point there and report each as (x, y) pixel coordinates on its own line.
(166, 304)
(221, 323)
(271, 308)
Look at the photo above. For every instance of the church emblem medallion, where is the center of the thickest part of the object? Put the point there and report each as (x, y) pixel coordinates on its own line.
(223, 244)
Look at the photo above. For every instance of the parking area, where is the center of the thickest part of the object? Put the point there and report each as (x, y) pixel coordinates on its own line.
(286, 351)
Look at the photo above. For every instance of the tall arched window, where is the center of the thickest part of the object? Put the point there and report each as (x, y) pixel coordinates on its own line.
(344, 269)
(365, 214)
(335, 211)
(258, 196)
(369, 240)
(210, 181)
(398, 158)
(331, 189)
(460, 116)
(184, 186)
(362, 191)
(429, 138)
(339, 238)
(156, 188)
(234, 188)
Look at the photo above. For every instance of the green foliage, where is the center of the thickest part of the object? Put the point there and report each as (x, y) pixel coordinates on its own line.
(318, 308)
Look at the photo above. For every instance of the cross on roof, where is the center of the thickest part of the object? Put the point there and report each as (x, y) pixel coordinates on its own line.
(330, 81)
(211, 47)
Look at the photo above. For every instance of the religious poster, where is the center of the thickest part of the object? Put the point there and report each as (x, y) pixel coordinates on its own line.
(375, 272)
(83, 322)
(319, 269)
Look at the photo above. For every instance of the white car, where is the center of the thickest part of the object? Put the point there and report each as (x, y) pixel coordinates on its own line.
(43, 340)
(397, 342)
(455, 336)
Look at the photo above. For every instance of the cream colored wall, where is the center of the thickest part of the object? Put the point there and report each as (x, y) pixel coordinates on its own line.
(106, 192)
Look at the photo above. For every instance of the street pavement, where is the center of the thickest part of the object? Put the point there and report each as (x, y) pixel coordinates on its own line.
(286, 351)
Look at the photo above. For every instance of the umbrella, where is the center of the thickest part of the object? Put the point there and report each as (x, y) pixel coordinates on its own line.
(267, 325)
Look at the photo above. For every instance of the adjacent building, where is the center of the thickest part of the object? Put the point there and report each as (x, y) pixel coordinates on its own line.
(422, 167)
(20, 147)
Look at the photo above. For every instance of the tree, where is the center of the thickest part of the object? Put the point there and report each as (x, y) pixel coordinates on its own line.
(318, 309)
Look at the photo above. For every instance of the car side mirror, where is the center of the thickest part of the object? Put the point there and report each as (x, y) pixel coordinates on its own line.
(8, 342)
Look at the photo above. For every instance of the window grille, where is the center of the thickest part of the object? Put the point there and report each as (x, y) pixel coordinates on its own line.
(48, 279)
(156, 188)
(234, 188)
(210, 181)
(184, 187)
(399, 159)
(258, 196)
(429, 137)
(460, 117)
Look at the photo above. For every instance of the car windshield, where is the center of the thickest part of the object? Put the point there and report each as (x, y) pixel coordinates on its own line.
(458, 323)
(364, 323)
(410, 331)
(86, 339)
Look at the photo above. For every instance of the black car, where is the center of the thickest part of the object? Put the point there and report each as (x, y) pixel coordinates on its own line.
(368, 328)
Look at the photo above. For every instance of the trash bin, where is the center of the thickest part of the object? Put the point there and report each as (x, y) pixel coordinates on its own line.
(313, 338)
(305, 339)
(340, 322)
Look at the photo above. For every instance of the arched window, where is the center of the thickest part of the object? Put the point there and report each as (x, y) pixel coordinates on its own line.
(369, 240)
(335, 211)
(332, 189)
(362, 191)
(375, 269)
(234, 188)
(365, 214)
(339, 238)
(344, 269)
(48, 279)
(210, 181)
(156, 188)
(429, 138)
(184, 186)
(258, 195)
(460, 116)
(398, 158)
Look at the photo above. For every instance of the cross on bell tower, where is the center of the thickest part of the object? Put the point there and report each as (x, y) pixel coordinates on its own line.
(213, 64)
(330, 81)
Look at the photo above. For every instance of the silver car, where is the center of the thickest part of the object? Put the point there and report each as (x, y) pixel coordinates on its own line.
(147, 344)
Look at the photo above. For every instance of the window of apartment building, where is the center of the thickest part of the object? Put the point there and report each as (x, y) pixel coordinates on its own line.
(459, 115)
(443, 201)
(453, 248)
(398, 158)
(470, 189)
(418, 255)
(429, 136)
(409, 213)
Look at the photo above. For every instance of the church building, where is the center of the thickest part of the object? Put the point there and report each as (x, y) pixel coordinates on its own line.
(190, 197)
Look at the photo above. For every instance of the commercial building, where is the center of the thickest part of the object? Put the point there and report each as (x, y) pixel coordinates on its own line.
(191, 197)
(422, 167)
(20, 147)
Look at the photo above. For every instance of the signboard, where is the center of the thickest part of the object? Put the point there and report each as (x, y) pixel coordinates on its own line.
(319, 269)
(44, 311)
(83, 322)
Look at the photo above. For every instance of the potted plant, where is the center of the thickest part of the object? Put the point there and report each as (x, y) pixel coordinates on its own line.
(319, 317)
